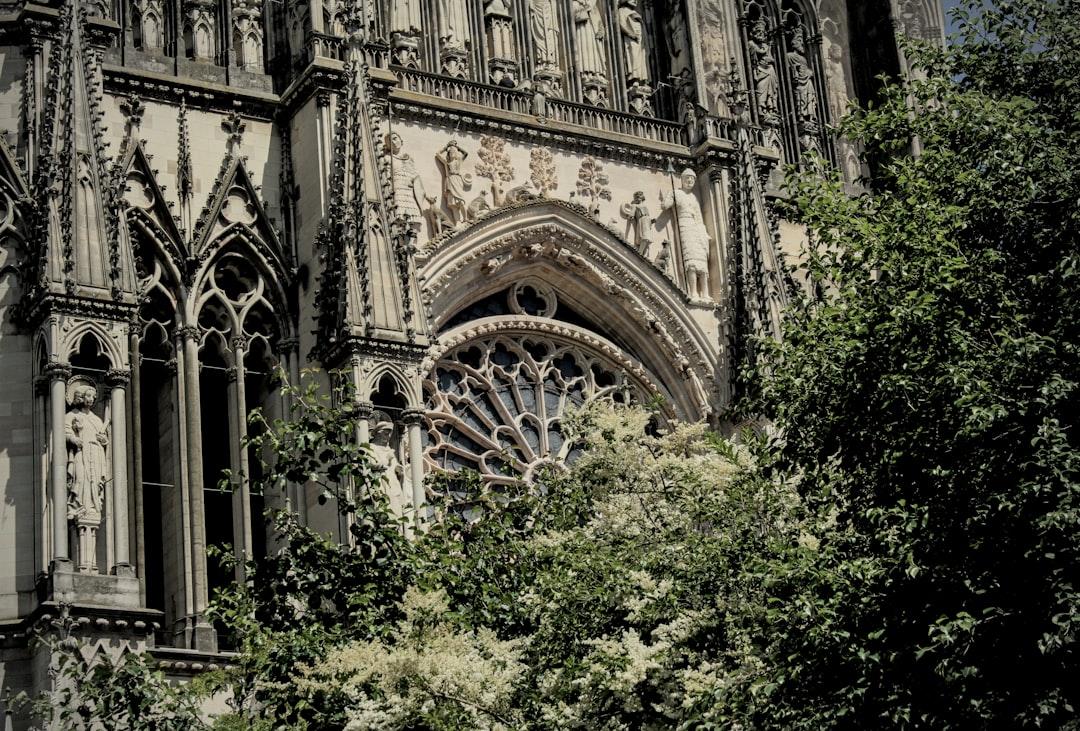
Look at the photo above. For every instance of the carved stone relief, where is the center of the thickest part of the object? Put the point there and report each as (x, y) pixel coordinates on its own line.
(693, 236)
(636, 213)
(542, 172)
(592, 184)
(456, 182)
(409, 193)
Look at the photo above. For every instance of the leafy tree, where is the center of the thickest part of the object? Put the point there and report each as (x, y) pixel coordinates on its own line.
(927, 399)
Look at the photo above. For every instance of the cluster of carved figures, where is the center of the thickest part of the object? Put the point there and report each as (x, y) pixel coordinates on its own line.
(785, 73)
(554, 48)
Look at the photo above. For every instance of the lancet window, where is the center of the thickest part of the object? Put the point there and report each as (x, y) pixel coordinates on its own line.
(205, 361)
(783, 54)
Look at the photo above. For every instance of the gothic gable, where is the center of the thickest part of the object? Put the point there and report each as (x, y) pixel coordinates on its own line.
(147, 211)
(234, 210)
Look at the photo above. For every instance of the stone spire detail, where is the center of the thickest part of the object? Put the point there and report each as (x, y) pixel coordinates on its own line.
(368, 293)
(80, 247)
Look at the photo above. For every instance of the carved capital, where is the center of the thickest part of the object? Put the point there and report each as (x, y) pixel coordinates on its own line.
(58, 371)
(412, 416)
(189, 332)
(117, 378)
(364, 409)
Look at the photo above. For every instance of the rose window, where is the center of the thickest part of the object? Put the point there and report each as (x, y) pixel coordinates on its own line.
(495, 405)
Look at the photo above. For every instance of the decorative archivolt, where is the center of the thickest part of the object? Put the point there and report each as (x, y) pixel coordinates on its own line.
(600, 272)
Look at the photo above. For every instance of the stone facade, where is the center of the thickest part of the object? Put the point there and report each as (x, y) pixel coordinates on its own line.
(480, 213)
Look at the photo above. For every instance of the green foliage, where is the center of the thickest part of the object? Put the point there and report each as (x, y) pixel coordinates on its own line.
(100, 687)
(900, 554)
(928, 399)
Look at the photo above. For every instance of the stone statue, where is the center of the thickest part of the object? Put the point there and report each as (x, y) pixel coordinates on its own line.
(766, 81)
(806, 98)
(636, 214)
(633, 38)
(545, 33)
(455, 182)
(405, 16)
(693, 236)
(589, 34)
(453, 25)
(87, 468)
(385, 449)
(409, 194)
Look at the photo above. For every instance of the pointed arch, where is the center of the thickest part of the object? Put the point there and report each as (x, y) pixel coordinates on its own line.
(607, 286)
(241, 273)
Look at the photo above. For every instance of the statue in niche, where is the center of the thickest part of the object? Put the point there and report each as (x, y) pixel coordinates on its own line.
(633, 36)
(680, 47)
(88, 471)
(545, 34)
(636, 213)
(806, 98)
(455, 182)
(693, 236)
(453, 25)
(589, 34)
(409, 194)
(766, 82)
(405, 17)
(386, 451)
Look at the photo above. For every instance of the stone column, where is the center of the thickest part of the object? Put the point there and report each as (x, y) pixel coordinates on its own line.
(204, 637)
(58, 375)
(137, 513)
(117, 382)
(241, 488)
(412, 418)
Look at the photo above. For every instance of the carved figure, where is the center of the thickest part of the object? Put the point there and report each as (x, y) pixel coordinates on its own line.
(478, 206)
(545, 33)
(409, 194)
(385, 449)
(87, 437)
(633, 38)
(453, 25)
(766, 81)
(589, 34)
(806, 98)
(405, 16)
(637, 218)
(693, 235)
(455, 182)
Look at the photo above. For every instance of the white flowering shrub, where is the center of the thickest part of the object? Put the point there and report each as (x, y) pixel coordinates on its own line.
(429, 673)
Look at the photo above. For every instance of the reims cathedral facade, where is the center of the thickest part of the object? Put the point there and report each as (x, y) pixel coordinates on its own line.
(478, 213)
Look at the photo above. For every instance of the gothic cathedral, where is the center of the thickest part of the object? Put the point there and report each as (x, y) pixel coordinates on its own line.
(478, 213)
